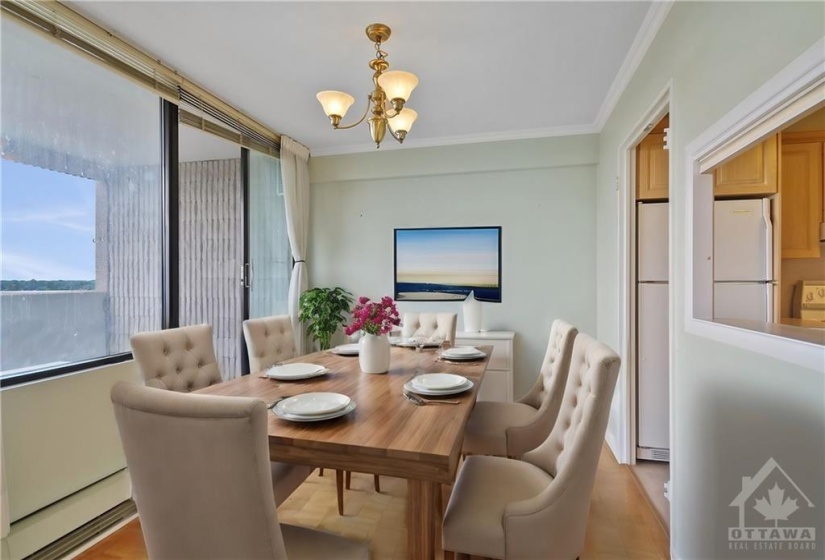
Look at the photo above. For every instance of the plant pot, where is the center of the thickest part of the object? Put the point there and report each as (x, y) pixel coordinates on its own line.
(374, 353)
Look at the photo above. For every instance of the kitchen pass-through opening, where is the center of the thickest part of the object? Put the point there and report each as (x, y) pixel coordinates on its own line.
(754, 215)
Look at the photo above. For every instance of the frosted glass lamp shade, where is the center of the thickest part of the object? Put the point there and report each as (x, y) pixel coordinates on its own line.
(398, 84)
(403, 120)
(335, 102)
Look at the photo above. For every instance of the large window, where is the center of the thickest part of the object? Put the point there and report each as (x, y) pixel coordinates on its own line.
(81, 207)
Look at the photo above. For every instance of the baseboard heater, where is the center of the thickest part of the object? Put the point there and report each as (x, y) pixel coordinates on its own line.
(100, 524)
(653, 454)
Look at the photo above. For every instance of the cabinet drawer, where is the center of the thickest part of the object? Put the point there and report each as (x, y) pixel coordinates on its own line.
(500, 359)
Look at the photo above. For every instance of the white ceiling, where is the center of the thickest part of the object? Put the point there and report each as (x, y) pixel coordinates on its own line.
(488, 71)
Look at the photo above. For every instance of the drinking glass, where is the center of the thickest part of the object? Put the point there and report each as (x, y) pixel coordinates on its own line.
(419, 347)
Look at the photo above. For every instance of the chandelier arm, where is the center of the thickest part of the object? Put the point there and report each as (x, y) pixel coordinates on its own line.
(353, 125)
(397, 139)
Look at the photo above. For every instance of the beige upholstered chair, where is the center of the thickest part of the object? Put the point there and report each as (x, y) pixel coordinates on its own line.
(430, 324)
(183, 360)
(180, 360)
(538, 507)
(268, 341)
(512, 429)
(199, 466)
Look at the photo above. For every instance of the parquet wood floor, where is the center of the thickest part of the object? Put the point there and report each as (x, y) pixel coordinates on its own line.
(621, 523)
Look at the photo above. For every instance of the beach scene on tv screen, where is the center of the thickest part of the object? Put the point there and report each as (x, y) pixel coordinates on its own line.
(447, 264)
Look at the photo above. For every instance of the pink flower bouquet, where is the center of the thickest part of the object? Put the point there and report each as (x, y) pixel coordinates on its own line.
(374, 318)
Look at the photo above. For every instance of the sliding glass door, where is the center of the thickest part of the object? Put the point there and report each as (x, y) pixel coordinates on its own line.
(211, 241)
(269, 257)
(234, 253)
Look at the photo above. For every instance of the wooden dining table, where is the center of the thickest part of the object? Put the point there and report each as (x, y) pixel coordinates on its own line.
(385, 435)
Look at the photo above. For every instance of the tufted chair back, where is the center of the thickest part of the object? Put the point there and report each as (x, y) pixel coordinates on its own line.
(570, 455)
(200, 473)
(586, 406)
(268, 341)
(548, 390)
(430, 324)
(179, 360)
(202, 480)
(555, 367)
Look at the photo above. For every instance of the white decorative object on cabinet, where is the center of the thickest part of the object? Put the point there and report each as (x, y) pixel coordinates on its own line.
(498, 379)
(472, 314)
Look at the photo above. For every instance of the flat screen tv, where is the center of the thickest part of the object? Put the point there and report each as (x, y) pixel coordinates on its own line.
(446, 264)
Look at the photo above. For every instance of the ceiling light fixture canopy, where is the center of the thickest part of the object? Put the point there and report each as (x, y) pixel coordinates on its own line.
(392, 89)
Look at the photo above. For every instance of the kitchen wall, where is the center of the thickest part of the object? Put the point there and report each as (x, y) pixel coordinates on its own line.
(794, 270)
(541, 192)
(732, 409)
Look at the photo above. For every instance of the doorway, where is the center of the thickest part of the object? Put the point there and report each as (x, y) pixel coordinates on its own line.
(649, 314)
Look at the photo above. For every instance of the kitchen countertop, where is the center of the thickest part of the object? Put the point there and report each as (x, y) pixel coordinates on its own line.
(803, 334)
(807, 323)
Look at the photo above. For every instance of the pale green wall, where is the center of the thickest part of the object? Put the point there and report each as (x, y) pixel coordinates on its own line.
(542, 193)
(733, 409)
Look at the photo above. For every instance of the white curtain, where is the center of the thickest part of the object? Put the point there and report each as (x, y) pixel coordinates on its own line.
(295, 174)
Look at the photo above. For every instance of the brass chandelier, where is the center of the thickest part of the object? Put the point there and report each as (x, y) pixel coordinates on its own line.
(386, 102)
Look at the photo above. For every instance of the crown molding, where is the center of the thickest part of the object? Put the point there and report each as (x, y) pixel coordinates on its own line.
(644, 38)
(572, 130)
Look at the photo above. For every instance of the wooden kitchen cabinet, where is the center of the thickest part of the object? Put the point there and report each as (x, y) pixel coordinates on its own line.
(801, 192)
(753, 172)
(652, 165)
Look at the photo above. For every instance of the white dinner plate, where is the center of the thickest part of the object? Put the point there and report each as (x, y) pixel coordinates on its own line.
(313, 404)
(412, 388)
(346, 350)
(462, 350)
(291, 372)
(439, 381)
(297, 418)
(446, 355)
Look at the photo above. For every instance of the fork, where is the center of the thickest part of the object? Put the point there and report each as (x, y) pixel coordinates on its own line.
(421, 401)
(277, 400)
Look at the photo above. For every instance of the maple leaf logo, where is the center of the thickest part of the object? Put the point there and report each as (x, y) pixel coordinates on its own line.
(776, 507)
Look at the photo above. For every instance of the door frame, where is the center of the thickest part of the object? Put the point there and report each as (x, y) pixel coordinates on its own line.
(625, 447)
(245, 266)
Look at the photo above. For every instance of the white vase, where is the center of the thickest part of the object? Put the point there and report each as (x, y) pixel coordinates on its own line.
(374, 353)
(472, 314)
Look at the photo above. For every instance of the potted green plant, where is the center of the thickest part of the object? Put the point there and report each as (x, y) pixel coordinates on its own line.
(322, 309)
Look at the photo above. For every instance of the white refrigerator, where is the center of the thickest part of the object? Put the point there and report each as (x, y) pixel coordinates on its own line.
(743, 280)
(652, 359)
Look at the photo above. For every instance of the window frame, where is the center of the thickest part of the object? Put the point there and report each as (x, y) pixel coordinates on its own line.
(175, 95)
(169, 258)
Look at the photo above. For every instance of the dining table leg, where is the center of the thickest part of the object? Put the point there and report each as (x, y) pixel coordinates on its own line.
(421, 508)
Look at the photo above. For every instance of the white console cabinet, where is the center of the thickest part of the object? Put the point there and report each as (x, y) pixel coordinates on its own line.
(498, 379)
